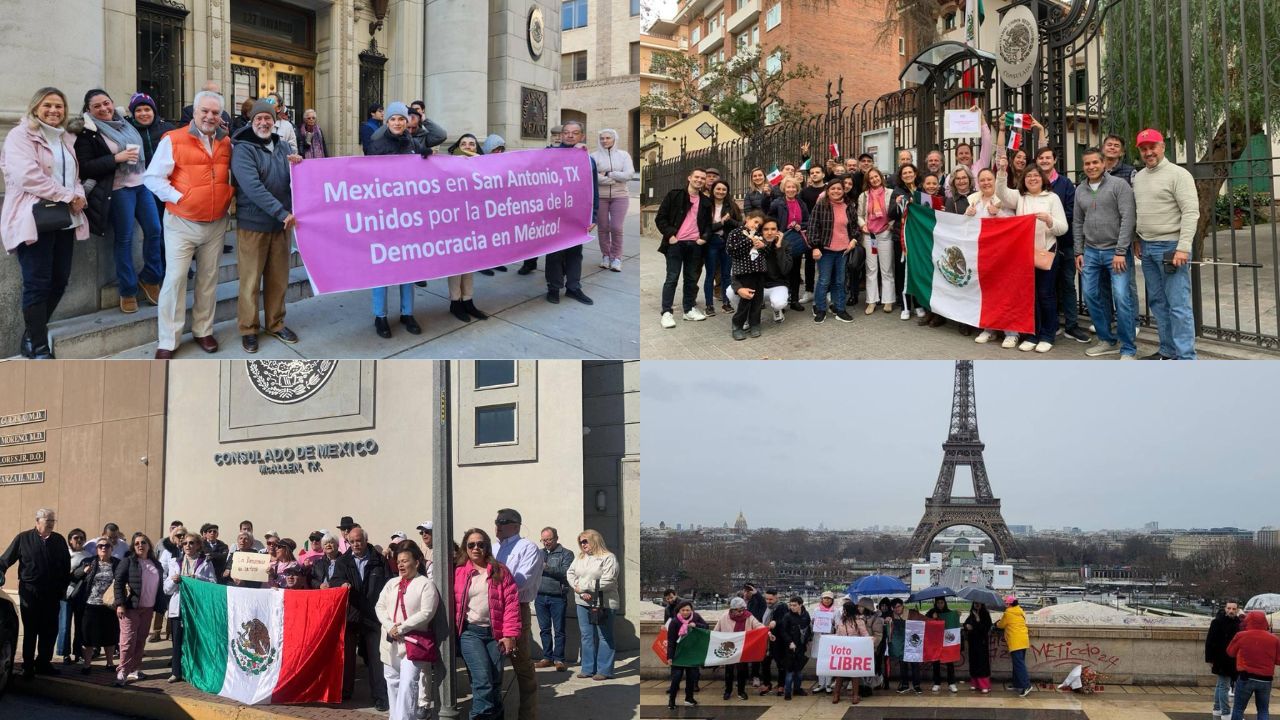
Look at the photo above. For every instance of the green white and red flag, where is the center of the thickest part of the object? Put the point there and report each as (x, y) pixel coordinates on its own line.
(942, 638)
(708, 648)
(775, 176)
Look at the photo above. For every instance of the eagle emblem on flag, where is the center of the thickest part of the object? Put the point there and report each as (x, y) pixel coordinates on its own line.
(726, 649)
(953, 267)
(252, 648)
(914, 640)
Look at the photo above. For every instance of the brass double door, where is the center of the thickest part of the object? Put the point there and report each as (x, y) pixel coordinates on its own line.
(253, 75)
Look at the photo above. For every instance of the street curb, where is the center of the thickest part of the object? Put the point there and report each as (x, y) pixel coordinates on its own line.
(149, 705)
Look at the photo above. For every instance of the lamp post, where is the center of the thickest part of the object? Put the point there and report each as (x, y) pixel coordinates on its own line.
(442, 501)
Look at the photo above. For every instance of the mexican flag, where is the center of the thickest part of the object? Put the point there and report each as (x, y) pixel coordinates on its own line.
(775, 176)
(834, 149)
(974, 14)
(263, 645)
(807, 162)
(978, 271)
(907, 643)
(707, 648)
(942, 638)
(1021, 121)
(1015, 140)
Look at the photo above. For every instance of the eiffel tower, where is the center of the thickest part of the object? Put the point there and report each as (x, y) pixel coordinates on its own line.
(963, 448)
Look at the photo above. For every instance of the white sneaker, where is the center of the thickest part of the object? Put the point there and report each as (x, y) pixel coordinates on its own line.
(1010, 341)
(952, 687)
(1136, 332)
(805, 297)
(604, 262)
(919, 312)
(936, 688)
(668, 321)
(1061, 332)
(778, 316)
(906, 315)
(1043, 347)
(983, 337)
(133, 677)
(1101, 348)
(1027, 346)
(615, 265)
(1093, 328)
(1128, 357)
(1217, 713)
(695, 315)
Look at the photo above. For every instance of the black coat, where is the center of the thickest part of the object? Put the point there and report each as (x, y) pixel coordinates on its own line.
(756, 606)
(979, 644)
(1221, 630)
(673, 632)
(217, 552)
(760, 200)
(794, 628)
(320, 571)
(728, 221)
(87, 569)
(97, 163)
(129, 573)
(671, 215)
(364, 591)
(44, 566)
(151, 136)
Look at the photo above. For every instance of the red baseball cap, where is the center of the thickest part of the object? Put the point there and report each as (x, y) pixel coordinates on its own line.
(1150, 135)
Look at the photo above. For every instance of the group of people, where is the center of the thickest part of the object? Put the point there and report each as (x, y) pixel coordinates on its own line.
(68, 177)
(795, 630)
(92, 597)
(842, 223)
(1242, 653)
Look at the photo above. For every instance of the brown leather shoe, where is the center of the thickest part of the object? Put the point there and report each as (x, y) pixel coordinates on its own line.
(543, 663)
(150, 292)
(162, 354)
(207, 344)
(560, 667)
(128, 305)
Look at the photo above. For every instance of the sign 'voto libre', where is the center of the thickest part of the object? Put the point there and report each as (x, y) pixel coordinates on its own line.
(297, 459)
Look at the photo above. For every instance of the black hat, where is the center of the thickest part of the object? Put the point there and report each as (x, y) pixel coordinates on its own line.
(346, 523)
(294, 569)
(507, 516)
(315, 536)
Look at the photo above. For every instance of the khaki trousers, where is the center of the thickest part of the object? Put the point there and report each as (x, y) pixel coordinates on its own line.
(263, 259)
(460, 286)
(184, 239)
(522, 663)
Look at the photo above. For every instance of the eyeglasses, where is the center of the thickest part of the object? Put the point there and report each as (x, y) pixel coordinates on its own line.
(192, 543)
(104, 547)
(584, 541)
(505, 522)
(477, 545)
(141, 543)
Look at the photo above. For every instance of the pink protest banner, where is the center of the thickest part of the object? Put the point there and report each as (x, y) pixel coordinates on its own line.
(371, 221)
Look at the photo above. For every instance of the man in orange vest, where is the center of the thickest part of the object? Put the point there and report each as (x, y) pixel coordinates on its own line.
(191, 173)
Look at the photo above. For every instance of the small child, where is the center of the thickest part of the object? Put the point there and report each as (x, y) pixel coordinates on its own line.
(747, 249)
(678, 627)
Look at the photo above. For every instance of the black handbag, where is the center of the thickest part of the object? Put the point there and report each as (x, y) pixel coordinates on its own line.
(51, 216)
(595, 613)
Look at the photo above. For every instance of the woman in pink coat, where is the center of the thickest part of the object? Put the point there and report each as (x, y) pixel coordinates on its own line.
(39, 162)
(486, 620)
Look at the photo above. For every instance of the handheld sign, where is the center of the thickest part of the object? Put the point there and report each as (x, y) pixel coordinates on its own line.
(961, 123)
(842, 656)
(822, 620)
(250, 566)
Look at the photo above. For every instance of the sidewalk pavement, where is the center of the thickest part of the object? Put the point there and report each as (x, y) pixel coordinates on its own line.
(1115, 702)
(560, 695)
(880, 335)
(522, 324)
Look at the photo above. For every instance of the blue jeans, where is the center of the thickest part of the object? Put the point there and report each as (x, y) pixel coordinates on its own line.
(831, 267)
(1169, 300)
(792, 684)
(64, 628)
(1261, 692)
(1047, 301)
(1020, 679)
(484, 664)
(380, 300)
(1133, 292)
(550, 609)
(1098, 275)
(597, 643)
(1221, 701)
(717, 262)
(127, 205)
(1067, 287)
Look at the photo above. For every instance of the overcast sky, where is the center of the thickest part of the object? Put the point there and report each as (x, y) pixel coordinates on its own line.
(854, 444)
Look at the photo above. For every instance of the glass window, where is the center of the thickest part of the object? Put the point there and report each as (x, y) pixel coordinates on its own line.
(493, 373)
(773, 64)
(635, 8)
(573, 67)
(573, 14)
(773, 17)
(771, 114)
(755, 35)
(697, 34)
(635, 58)
(495, 424)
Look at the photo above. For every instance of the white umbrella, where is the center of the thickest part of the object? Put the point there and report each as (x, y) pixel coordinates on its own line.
(1267, 603)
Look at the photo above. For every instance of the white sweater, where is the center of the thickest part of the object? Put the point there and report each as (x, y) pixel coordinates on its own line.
(586, 570)
(420, 603)
(1047, 201)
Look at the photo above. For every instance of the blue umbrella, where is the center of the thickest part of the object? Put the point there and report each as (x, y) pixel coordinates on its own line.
(877, 585)
(986, 596)
(930, 593)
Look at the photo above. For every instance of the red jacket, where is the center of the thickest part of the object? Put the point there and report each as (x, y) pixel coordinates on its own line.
(1255, 648)
(504, 601)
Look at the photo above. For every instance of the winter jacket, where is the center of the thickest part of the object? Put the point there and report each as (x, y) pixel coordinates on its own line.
(367, 129)
(504, 600)
(1221, 631)
(129, 575)
(151, 135)
(364, 590)
(777, 264)
(1046, 237)
(584, 574)
(794, 628)
(1014, 624)
(428, 136)
(172, 568)
(97, 163)
(261, 176)
(42, 564)
(614, 171)
(728, 624)
(979, 644)
(1124, 171)
(671, 213)
(27, 161)
(555, 564)
(1106, 217)
(757, 606)
(673, 632)
(320, 571)
(384, 142)
(761, 200)
(202, 182)
(421, 602)
(1255, 648)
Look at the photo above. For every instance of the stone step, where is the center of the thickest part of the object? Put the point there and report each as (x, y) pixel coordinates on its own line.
(110, 331)
(228, 270)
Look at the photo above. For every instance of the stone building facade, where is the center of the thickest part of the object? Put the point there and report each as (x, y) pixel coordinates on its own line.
(600, 68)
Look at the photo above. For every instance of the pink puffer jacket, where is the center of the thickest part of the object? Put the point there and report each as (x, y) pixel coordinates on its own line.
(504, 601)
(27, 160)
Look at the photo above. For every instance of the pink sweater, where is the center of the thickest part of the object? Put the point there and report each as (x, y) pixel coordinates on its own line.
(27, 160)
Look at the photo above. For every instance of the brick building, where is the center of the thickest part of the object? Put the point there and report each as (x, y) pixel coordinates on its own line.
(838, 39)
(599, 65)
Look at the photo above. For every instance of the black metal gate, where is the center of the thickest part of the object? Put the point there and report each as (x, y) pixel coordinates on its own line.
(160, 34)
(1200, 71)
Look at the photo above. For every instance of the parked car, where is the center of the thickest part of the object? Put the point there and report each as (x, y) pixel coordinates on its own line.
(8, 638)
